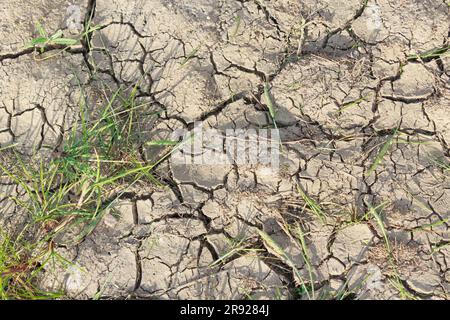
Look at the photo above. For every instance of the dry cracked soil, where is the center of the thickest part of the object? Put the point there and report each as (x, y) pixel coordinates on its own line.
(359, 206)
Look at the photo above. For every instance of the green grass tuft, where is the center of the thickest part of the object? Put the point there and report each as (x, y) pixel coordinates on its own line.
(98, 161)
(20, 264)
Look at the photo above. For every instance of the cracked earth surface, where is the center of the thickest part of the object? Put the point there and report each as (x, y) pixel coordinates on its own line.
(342, 80)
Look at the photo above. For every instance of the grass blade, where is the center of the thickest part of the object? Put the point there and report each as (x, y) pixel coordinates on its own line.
(40, 30)
(190, 55)
(312, 205)
(384, 149)
(278, 251)
(306, 256)
(270, 104)
(65, 41)
(162, 143)
(236, 27)
(379, 221)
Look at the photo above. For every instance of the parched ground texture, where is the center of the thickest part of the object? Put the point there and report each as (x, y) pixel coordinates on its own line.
(344, 76)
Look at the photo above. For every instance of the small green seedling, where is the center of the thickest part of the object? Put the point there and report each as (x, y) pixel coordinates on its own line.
(44, 40)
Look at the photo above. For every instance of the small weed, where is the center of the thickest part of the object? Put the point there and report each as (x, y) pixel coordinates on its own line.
(375, 214)
(190, 55)
(294, 86)
(98, 295)
(430, 54)
(19, 266)
(236, 247)
(270, 104)
(439, 247)
(44, 40)
(441, 163)
(299, 31)
(397, 283)
(237, 25)
(56, 40)
(98, 161)
(351, 104)
(346, 293)
(300, 235)
(313, 206)
(429, 226)
(395, 279)
(382, 153)
(275, 249)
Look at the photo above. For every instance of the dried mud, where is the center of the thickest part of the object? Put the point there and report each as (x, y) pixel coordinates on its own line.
(354, 81)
